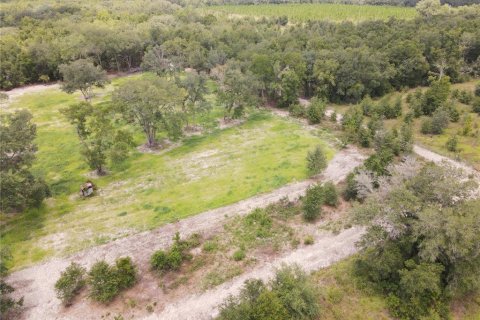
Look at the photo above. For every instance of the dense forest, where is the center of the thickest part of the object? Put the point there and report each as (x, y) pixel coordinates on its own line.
(342, 62)
(408, 3)
(165, 112)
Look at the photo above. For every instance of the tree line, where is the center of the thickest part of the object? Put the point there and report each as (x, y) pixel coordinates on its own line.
(337, 61)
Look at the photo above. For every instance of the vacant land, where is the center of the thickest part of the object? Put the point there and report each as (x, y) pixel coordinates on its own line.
(468, 145)
(333, 12)
(199, 173)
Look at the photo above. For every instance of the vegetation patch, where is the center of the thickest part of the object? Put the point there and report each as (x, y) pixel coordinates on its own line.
(319, 11)
(250, 158)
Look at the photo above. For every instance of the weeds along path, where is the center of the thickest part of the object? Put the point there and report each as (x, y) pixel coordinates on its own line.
(326, 250)
(36, 283)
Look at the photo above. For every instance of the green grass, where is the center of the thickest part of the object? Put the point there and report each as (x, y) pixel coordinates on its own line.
(343, 297)
(204, 172)
(305, 12)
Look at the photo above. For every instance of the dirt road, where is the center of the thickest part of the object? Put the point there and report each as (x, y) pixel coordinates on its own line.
(326, 250)
(36, 283)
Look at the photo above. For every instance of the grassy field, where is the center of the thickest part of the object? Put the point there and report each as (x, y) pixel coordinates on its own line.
(305, 12)
(203, 172)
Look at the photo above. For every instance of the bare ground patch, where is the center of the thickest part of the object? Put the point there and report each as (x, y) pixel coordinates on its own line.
(36, 283)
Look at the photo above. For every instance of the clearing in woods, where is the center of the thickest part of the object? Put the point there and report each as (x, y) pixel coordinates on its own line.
(203, 172)
(318, 11)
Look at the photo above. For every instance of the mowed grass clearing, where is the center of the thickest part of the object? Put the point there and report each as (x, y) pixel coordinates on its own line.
(204, 172)
(319, 11)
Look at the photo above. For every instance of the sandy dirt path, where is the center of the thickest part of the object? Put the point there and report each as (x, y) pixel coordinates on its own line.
(36, 88)
(20, 91)
(436, 158)
(36, 283)
(326, 250)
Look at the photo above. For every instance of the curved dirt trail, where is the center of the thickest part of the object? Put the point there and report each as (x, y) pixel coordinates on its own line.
(436, 158)
(20, 91)
(36, 283)
(326, 250)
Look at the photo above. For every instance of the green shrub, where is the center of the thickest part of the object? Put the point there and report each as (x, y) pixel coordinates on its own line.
(71, 281)
(465, 97)
(350, 191)
(126, 272)
(379, 161)
(288, 296)
(452, 143)
(103, 282)
(316, 110)
(426, 127)
(477, 90)
(209, 246)
(333, 117)
(165, 261)
(312, 203)
(173, 258)
(239, 255)
(8, 305)
(296, 110)
(308, 240)
(476, 105)
(296, 292)
(364, 137)
(367, 106)
(330, 194)
(316, 161)
(440, 120)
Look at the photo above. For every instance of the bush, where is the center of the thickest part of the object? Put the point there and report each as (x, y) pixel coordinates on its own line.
(350, 191)
(103, 281)
(296, 110)
(379, 162)
(7, 304)
(452, 143)
(364, 137)
(367, 106)
(333, 117)
(165, 261)
(437, 123)
(477, 90)
(316, 110)
(330, 194)
(296, 292)
(173, 258)
(426, 127)
(465, 97)
(316, 161)
(476, 105)
(436, 95)
(126, 272)
(308, 240)
(239, 255)
(288, 296)
(312, 203)
(71, 281)
(440, 120)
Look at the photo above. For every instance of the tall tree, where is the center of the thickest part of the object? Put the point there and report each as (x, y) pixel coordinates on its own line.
(82, 75)
(98, 136)
(238, 90)
(18, 187)
(194, 103)
(153, 104)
